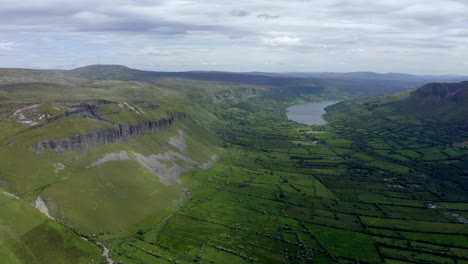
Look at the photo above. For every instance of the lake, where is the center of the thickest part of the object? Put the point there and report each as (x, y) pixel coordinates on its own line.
(308, 113)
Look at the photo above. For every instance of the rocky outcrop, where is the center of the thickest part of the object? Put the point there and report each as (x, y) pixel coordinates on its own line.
(107, 136)
(87, 109)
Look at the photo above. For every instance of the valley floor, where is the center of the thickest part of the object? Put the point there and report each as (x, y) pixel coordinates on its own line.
(284, 192)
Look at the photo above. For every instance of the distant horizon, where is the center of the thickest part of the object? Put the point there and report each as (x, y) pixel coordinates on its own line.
(246, 72)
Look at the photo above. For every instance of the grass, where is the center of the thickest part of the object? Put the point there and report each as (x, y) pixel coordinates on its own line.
(456, 206)
(423, 214)
(359, 194)
(345, 243)
(277, 186)
(111, 201)
(29, 237)
(412, 225)
(121, 193)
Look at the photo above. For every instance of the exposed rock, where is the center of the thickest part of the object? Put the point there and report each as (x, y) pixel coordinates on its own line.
(131, 108)
(105, 253)
(179, 142)
(123, 155)
(209, 163)
(29, 115)
(460, 218)
(152, 107)
(59, 167)
(11, 195)
(104, 101)
(166, 165)
(86, 109)
(40, 205)
(102, 137)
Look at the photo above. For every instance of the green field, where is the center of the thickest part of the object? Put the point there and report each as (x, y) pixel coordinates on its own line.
(232, 182)
(268, 200)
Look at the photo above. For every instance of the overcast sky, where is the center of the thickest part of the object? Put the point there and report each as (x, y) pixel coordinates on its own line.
(411, 36)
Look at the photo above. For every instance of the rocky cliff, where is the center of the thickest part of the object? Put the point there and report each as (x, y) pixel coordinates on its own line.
(107, 136)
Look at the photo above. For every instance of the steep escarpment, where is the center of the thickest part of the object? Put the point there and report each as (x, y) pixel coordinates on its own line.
(107, 136)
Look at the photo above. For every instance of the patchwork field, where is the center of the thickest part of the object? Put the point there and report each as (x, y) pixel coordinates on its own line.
(272, 198)
(180, 171)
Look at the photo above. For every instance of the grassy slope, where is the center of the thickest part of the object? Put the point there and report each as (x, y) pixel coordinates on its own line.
(122, 193)
(112, 199)
(27, 236)
(439, 101)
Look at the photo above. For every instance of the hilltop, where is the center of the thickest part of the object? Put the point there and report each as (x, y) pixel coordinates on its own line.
(441, 93)
(443, 101)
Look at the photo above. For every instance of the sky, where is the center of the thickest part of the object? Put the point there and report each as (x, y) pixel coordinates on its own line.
(409, 36)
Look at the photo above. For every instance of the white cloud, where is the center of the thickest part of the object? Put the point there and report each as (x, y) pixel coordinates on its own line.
(385, 35)
(156, 52)
(268, 16)
(208, 63)
(6, 45)
(88, 17)
(358, 50)
(434, 9)
(281, 41)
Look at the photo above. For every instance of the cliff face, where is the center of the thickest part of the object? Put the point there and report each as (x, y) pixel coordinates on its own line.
(107, 136)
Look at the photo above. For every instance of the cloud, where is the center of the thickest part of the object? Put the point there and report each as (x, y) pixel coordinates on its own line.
(268, 16)
(358, 50)
(414, 31)
(281, 41)
(156, 52)
(87, 16)
(209, 63)
(6, 45)
(239, 13)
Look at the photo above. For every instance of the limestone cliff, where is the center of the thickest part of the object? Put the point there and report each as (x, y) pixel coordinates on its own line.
(107, 136)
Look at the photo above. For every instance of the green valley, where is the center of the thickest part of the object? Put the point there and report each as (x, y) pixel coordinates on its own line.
(205, 167)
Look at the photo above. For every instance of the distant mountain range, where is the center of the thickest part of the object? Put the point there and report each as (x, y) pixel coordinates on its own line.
(354, 84)
(118, 71)
(380, 76)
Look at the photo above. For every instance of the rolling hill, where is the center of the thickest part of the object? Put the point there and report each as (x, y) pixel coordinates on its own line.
(433, 101)
(204, 166)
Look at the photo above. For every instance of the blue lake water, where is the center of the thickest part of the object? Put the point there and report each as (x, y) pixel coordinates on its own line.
(308, 113)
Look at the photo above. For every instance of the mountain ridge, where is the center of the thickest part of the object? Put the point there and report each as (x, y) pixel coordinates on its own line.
(437, 92)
